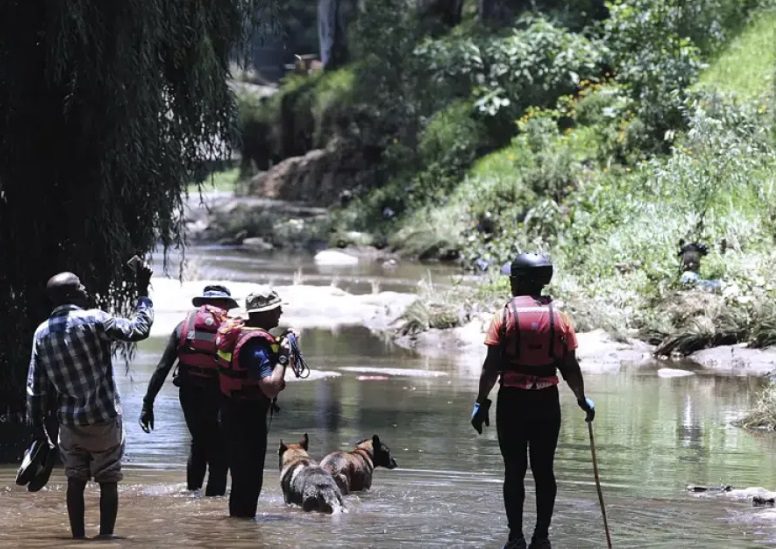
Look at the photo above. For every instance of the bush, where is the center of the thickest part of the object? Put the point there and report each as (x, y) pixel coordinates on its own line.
(453, 137)
(763, 415)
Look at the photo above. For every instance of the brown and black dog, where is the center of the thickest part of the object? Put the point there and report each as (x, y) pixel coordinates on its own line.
(352, 471)
(304, 482)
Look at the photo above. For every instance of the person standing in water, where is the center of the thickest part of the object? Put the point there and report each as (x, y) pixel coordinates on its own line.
(252, 367)
(192, 345)
(528, 340)
(71, 361)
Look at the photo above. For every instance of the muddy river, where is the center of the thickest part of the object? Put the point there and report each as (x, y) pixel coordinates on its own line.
(654, 437)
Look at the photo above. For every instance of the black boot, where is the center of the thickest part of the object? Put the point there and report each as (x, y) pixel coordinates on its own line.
(516, 543)
(540, 543)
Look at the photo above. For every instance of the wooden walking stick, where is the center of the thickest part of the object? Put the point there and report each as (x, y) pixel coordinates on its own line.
(598, 484)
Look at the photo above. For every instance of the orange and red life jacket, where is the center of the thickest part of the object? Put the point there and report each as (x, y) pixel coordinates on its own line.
(231, 338)
(197, 341)
(532, 340)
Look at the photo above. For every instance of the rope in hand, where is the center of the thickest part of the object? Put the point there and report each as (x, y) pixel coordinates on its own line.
(301, 370)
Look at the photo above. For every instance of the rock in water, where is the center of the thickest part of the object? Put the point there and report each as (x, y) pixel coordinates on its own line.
(334, 257)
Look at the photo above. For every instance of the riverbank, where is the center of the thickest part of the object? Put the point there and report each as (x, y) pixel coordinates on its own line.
(330, 307)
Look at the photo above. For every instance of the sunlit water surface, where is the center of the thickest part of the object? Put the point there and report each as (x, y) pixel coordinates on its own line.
(654, 436)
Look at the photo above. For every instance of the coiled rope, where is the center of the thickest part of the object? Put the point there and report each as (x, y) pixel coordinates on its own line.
(301, 370)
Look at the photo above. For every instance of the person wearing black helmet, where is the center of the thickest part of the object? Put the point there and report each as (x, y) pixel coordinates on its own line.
(192, 345)
(528, 341)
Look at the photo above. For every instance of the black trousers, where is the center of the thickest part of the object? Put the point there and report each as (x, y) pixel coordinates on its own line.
(201, 403)
(528, 424)
(245, 426)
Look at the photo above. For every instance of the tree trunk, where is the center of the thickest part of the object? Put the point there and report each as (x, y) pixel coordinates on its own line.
(331, 33)
(495, 12)
(447, 12)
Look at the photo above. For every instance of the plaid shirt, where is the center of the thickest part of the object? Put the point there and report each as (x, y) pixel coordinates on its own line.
(71, 360)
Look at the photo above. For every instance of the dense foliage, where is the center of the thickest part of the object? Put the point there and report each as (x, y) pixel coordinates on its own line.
(107, 110)
(575, 129)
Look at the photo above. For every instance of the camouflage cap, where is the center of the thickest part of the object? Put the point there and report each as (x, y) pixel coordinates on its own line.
(262, 299)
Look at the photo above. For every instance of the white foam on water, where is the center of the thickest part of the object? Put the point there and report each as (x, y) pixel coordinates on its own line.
(674, 372)
(406, 372)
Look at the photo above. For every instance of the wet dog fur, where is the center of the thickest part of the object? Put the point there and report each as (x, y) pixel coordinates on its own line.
(304, 482)
(352, 470)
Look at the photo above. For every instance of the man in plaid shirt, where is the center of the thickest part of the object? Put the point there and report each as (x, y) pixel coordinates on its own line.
(71, 365)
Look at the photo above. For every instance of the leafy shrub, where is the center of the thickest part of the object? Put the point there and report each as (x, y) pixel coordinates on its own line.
(453, 137)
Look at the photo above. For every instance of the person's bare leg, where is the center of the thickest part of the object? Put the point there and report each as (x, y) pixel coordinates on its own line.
(109, 507)
(75, 506)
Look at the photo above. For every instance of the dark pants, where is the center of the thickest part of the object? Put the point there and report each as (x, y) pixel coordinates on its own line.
(528, 423)
(201, 403)
(245, 426)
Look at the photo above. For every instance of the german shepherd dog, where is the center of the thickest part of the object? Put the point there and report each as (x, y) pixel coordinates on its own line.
(352, 471)
(304, 483)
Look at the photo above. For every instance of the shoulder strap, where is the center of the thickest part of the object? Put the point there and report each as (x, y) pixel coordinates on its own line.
(516, 323)
(552, 330)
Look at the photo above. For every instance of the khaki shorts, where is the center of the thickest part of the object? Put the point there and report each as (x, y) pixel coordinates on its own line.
(93, 450)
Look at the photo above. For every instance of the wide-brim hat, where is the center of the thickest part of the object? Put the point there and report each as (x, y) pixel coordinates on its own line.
(215, 293)
(264, 299)
(42, 477)
(34, 462)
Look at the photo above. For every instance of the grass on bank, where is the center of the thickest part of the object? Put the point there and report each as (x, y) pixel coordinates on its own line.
(747, 66)
(221, 180)
(763, 415)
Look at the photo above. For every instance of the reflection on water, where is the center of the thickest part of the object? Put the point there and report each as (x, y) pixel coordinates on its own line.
(282, 268)
(654, 436)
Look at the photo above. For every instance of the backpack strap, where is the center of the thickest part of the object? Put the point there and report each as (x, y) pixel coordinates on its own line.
(552, 331)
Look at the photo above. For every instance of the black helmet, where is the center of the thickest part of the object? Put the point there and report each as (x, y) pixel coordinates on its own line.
(531, 267)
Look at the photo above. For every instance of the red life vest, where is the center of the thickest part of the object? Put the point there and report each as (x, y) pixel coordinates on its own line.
(532, 340)
(231, 338)
(197, 342)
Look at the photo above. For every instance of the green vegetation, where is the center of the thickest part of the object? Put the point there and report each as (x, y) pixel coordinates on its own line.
(747, 66)
(220, 180)
(763, 415)
(109, 110)
(601, 139)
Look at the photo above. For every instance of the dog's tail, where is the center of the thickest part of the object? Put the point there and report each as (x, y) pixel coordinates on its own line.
(327, 499)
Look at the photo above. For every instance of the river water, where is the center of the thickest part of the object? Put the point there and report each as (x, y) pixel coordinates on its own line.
(654, 436)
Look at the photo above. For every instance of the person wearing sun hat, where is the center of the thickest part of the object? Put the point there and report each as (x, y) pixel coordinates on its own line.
(192, 345)
(250, 379)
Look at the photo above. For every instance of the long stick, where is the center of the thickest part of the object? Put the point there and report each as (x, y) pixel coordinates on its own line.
(598, 484)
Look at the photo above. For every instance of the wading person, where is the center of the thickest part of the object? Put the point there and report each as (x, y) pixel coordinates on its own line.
(527, 341)
(192, 344)
(71, 357)
(252, 366)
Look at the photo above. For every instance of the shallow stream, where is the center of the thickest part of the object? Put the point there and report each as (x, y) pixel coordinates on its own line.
(654, 436)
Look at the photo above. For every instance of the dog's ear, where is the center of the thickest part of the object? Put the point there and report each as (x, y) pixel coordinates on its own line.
(282, 448)
(305, 442)
(375, 442)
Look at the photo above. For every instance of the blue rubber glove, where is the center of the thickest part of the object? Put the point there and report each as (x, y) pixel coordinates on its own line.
(480, 415)
(588, 406)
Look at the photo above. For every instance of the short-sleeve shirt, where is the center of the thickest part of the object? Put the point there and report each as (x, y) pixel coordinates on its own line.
(567, 335)
(256, 358)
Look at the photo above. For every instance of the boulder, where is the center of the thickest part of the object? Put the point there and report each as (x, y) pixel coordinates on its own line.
(317, 177)
(258, 243)
(335, 257)
(736, 360)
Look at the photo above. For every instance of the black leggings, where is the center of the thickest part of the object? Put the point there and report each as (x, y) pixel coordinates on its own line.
(201, 403)
(528, 423)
